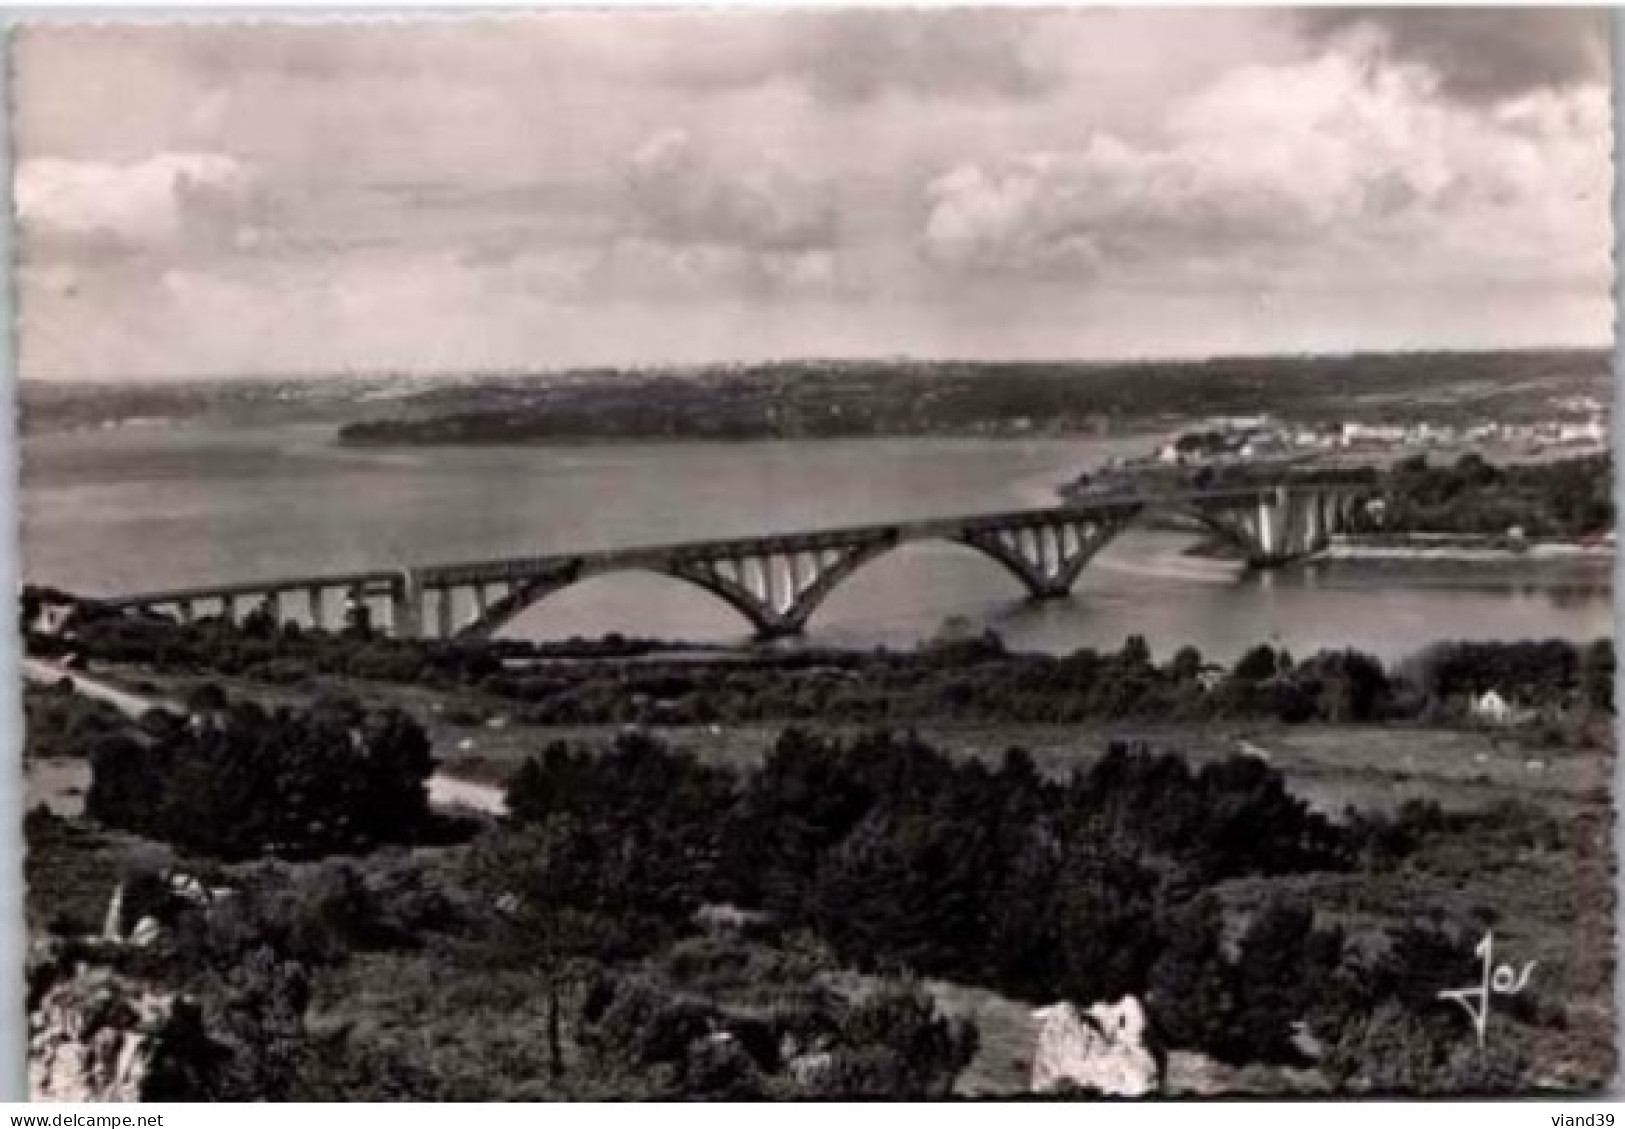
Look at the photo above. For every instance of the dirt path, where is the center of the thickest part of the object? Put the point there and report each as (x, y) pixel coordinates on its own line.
(450, 792)
(131, 705)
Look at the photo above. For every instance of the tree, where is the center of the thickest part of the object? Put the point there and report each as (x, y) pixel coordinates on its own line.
(1597, 675)
(908, 884)
(569, 893)
(801, 802)
(240, 782)
(1279, 961)
(1343, 686)
(1186, 664)
(207, 698)
(1258, 665)
(1104, 912)
(1136, 653)
(1190, 990)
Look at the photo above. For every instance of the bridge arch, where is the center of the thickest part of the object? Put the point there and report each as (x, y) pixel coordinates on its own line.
(777, 589)
(474, 615)
(724, 585)
(1273, 526)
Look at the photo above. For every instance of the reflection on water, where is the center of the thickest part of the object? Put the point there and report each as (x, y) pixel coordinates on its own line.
(126, 511)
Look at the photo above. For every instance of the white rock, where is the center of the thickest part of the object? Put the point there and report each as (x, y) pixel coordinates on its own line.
(812, 1070)
(189, 889)
(113, 921)
(92, 1037)
(1102, 1049)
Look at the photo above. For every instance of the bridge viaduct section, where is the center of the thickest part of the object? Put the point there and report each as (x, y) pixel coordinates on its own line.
(778, 581)
(775, 582)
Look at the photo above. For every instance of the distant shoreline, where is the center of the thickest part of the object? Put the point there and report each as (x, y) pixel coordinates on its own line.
(1543, 552)
(1342, 549)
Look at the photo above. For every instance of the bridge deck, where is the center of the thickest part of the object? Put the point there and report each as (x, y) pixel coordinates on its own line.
(1106, 506)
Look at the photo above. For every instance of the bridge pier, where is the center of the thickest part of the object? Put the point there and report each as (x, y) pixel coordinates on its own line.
(443, 608)
(406, 606)
(1279, 525)
(1047, 554)
(356, 612)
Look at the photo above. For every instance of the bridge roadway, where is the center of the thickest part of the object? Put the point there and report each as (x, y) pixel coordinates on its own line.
(778, 580)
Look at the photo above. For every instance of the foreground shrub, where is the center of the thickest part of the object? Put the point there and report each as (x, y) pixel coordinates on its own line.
(664, 1041)
(240, 782)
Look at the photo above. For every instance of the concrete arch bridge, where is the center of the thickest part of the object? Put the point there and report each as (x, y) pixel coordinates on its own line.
(777, 581)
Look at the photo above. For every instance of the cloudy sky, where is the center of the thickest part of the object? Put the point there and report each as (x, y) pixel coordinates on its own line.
(543, 191)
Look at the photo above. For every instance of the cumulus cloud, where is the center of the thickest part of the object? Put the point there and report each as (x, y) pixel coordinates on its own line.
(695, 222)
(417, 193)
(860, 56)
(1480, 55)
(1327, 168)
(681, 194)
(140, 202)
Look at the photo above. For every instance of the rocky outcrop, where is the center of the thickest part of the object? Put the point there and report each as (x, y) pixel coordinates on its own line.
(93, 1035)
(137, 909)
(1102, 1050)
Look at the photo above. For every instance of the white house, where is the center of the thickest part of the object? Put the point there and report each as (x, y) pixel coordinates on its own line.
(1591, 431)
(1493, 708)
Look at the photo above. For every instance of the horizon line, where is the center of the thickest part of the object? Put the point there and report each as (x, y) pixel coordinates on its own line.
(891, 359)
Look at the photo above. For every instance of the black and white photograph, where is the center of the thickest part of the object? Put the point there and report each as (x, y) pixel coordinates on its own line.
(795, 554)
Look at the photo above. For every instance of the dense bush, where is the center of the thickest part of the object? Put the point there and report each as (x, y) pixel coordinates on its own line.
(1190, 992)
(897, 856)
(241, 782)
(1385, 1030)
(1565, 498)
(1087, 888)
(1553, 673)
(60, 723)
(657, 1039)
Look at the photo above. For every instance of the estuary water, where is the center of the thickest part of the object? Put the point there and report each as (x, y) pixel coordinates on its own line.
(137, 509)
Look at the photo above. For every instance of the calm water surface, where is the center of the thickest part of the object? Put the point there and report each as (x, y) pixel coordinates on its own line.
(142, 509)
